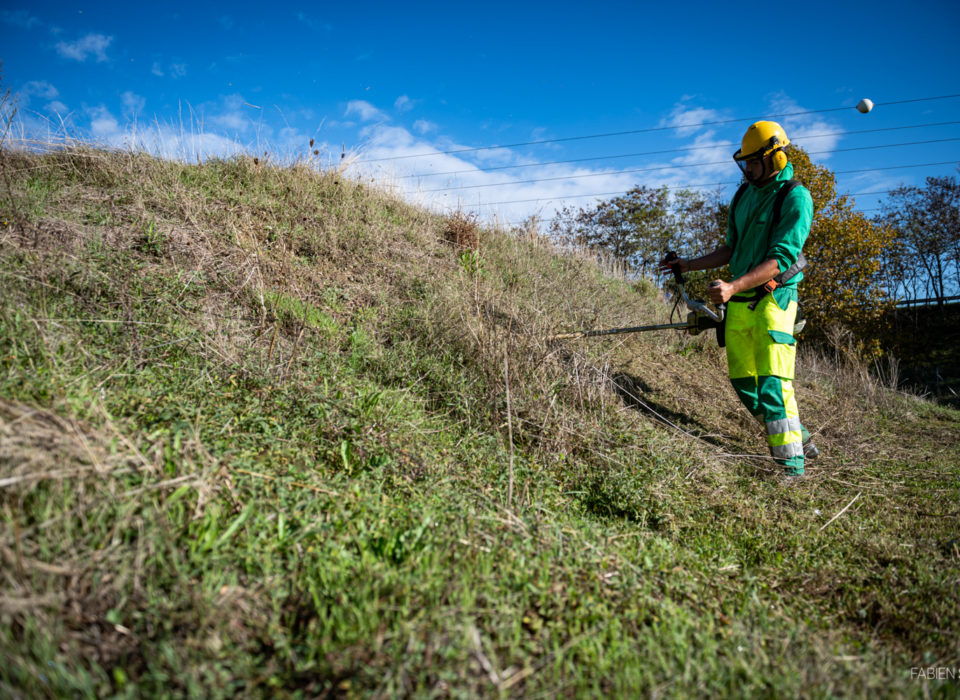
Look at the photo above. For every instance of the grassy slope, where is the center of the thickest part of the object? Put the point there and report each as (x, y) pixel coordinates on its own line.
(255, 438)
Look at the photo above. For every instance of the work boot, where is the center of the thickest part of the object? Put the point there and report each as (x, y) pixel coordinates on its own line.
(793, 472)
(810, 450)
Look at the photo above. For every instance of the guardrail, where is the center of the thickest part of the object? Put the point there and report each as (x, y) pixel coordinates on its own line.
(933, 301)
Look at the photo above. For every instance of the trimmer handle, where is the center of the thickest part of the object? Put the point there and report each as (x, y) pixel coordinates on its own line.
(671, 260)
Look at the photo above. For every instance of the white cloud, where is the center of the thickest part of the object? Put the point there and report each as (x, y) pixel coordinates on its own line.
(233, 114)
(45, 91)
(422, 126)
(189, 137)
(291, 138)
(699, 157)
(176, 141)
(41, 89)
(403, 104)
(170, 142)
(495, 156)
(103, 125)
(804, 129)
(705, 159)
(234, 120)
(174, 70)
(686, 120)
(90, 45)
(19, 18)
(366, 111)
(708, 157)
(133, 104)
(56, 107)
(385, 158)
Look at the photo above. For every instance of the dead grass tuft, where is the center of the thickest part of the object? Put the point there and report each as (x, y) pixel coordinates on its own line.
(462, 231)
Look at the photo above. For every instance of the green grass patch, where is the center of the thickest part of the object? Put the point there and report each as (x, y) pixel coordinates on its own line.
(338, 497)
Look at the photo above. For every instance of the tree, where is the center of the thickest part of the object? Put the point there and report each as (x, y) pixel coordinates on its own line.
(699, 220)
(642, 225)
(844, 285)
(635, 227)
(927, 224)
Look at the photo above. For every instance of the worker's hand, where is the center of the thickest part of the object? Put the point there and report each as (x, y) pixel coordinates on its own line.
(720, 292)
(681, 264)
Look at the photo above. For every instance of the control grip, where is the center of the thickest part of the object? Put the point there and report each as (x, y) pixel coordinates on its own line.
(671, 260)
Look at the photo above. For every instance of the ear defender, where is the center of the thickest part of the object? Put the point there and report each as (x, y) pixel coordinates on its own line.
(779, 159)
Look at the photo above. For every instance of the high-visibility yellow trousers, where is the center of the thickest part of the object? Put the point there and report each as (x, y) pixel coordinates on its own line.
(761, 355)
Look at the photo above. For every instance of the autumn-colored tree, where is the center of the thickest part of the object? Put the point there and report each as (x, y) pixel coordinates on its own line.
(844, 286)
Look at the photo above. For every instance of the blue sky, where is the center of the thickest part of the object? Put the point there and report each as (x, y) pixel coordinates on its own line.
(385, 81)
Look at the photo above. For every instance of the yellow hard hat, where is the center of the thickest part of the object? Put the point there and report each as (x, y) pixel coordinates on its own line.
(763, 138)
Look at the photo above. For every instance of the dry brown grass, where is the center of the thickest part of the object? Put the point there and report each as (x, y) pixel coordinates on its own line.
(248, 227)
(461, 230)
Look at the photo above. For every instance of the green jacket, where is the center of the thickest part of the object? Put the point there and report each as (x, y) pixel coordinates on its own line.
(750, 243)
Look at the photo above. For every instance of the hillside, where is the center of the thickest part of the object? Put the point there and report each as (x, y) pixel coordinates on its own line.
(265, 431)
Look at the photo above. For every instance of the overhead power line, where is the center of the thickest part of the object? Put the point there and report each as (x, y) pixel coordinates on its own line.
(660, 167)
(853, 194)
(712, 184)
(558, 218)
(664, 151)
(647, 130)
(623, 192)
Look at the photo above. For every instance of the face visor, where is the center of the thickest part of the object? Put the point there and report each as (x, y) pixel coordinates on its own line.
(753, 162)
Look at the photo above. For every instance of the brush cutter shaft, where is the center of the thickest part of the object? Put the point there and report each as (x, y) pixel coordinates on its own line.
(613, 331)
(700, 317)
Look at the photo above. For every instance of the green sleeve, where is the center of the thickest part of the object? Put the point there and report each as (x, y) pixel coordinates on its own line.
(794, 227)
(731, 243)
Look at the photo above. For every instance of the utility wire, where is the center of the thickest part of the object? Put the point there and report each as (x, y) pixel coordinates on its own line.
(607, 194)
(647, 130)
(669, 150)
(559, 218)
(622, 192)
(659, 167)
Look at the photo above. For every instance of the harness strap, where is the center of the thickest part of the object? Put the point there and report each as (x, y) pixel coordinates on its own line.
(791, 271)
(757, 296)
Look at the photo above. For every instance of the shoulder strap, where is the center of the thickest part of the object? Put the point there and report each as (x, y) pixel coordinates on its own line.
(801, 262)
(786, 189)
(733, 207)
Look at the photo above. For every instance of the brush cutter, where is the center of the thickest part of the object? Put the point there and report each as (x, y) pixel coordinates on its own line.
(699, 316)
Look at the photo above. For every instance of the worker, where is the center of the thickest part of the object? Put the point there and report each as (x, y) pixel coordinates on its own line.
(765, 235)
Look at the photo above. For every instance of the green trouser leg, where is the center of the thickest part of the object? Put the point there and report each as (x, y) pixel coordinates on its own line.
(784, 431)
(746, 388)
(769, 407)
(761, 354)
